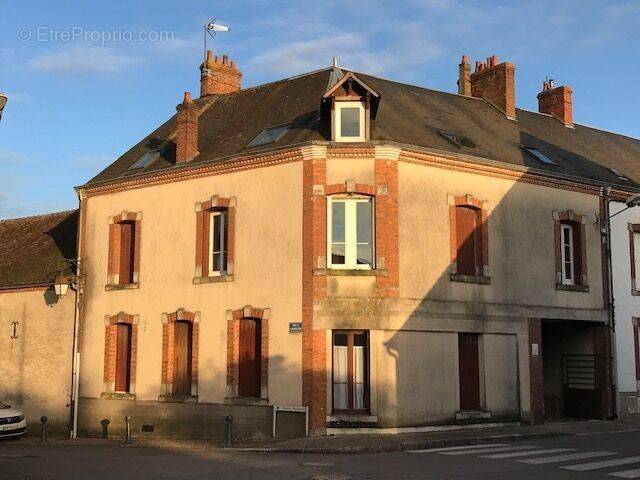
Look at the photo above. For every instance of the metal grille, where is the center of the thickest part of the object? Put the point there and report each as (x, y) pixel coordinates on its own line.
(580, 372)
(9, 420)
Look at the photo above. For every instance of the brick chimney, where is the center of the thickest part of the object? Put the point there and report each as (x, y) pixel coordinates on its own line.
(186, 130)
(218, 75)
(495, 82)
(556, 101)
(464, 77)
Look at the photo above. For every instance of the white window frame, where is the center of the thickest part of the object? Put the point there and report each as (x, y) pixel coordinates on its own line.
(350, 233)
(224, 217)
(339, 105)
(636, 258)
(566, 231)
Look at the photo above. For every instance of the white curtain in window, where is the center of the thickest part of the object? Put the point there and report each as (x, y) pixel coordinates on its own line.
(340, 378)
(358, 377)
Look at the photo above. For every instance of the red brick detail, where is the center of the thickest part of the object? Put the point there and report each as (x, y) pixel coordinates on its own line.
(579, 222)
(110, 345)
(482, 216)
(203, 217)
(496, 84)
(556, 101)
(636, 344)
(113, 259)
(168, 330)
(314, 251)
(357, 188)
(386, 213)
(218, 75)
(602, 350)
(633, 229)
(536, 378)
(186, 130)
(233, 346)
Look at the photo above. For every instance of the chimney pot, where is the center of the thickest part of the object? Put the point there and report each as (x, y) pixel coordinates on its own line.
(557, 101)
(495, 82)
(218, 75)
(464, 77)
(186, 130)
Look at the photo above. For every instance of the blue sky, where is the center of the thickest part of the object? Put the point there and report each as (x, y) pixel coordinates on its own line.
(77, 103)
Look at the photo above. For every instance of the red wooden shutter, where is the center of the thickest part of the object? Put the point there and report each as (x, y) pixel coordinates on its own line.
(249, 361)
(469, 371)
(466, 240)
(123, 357)
(577, 253)
(127, 242)
(182, 358)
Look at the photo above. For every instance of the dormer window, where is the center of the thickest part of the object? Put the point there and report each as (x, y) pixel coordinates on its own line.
(350, 122)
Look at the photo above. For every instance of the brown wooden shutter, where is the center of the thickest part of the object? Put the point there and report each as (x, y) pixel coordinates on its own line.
(469, 371)
(123, 357)
(127, 252)
(577, 253)
(182, 358)
(249, 360)
(466, 240)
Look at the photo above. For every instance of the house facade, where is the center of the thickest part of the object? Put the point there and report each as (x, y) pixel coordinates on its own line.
(385, 255)
(37, 326)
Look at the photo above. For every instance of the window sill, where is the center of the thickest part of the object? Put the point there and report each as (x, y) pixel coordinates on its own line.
(635, 292)
(351, 273)
(118, 396)
(352, 417)
(178, 398)
(456, 277)
(263, 402)
(572, 288)
(473, 414)
(213, 279)
(126, 286)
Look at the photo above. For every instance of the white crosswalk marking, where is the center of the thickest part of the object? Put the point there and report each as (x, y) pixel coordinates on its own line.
(528, 453)
(451, 449)
(490, 450)
(566, 458)
(626, 474)
(583, 467)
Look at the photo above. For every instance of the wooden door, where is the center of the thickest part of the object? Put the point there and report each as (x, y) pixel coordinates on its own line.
(182, 358)
(466, 238)
(127, 241)
(249, 361)
(123, 357)
(469, 371)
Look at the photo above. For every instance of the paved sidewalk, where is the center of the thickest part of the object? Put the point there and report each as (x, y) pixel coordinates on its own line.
(373, 442)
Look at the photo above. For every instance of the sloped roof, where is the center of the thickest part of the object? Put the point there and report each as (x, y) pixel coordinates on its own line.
(34, 248)
(406, 114)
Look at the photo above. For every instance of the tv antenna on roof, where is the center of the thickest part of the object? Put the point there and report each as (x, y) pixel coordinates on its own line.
(210, 29)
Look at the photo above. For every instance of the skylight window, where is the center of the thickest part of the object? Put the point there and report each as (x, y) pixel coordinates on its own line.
(458, 140)
(540, 156)
(618, 174)
(269, 135)
(145, 160)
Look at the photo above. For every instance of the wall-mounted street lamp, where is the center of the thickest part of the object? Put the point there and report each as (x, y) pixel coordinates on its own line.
(3, 102)
(61, 285)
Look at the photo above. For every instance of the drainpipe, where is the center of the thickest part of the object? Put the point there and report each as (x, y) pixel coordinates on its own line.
(75, 375)
(606, 191)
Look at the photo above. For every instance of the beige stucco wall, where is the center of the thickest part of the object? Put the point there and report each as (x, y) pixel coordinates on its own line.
(267, 274)
(35, 368)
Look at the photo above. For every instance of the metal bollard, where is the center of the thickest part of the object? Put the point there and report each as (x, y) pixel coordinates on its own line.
(43, 430)
(127, 439)
(229, 421)
(105, 427)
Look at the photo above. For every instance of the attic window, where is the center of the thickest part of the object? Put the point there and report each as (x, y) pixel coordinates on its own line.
(269, 135)
(540, 156)
(350, 121)
(618, 174)
(458, 140)
(145, 160)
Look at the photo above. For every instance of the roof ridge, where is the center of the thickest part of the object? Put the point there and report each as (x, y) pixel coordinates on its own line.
(40, 215)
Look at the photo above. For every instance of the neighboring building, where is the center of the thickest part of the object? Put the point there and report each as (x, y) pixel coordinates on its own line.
(37, 327)
(384, 254)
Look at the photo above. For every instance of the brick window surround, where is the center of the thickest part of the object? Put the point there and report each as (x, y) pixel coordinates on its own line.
(113, 267)
(203, 217)
(233, 351)
(578, 221)
(110, 345)
(634, 228)
(168, 329)
(482, 242)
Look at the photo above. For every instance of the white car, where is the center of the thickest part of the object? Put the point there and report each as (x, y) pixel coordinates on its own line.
(12, 422)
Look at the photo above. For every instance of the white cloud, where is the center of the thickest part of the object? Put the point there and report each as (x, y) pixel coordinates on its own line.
(12, 157)
(84, 59)
(93, 161)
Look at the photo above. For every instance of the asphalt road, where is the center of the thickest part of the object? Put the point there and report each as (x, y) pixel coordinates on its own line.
(588, 456)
